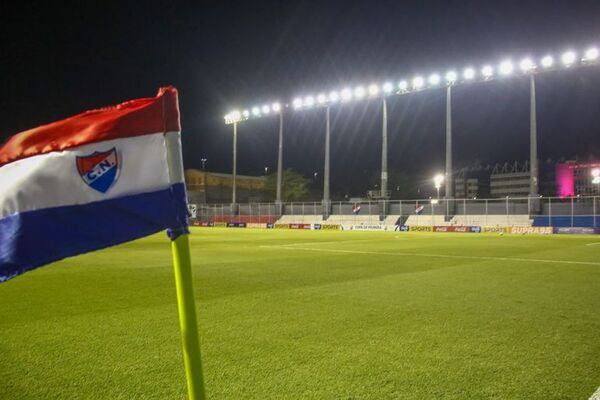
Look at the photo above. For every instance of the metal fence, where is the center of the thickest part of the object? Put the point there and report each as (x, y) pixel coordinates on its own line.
(545, 211)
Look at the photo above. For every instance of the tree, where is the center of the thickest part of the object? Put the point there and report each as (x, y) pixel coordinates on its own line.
(294, 186)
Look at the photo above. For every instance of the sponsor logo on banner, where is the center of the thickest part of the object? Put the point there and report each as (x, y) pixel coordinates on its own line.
(331, 227)
(255, 225)
(197, 223)
(281, 226)
(402, 228)
(99, 170)
(270, 225)
(535, 230)
(207, 224)
(459, 229)
(577, 231)
(496, 229)
(300, 226)
(317, 227)
(220, 225)
(420, 228)
(369, 227)
(236, 224)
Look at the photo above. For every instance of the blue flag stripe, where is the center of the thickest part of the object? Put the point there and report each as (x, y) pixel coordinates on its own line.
(31, 239)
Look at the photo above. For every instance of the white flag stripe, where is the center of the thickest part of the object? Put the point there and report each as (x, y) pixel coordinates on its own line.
(52, 179)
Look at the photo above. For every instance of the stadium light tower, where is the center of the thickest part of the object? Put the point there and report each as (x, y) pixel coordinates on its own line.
(449, 175)
(279, 159)
(528, 67)
(596, 176)
(437, 181)
(326, 198)
(234, 169)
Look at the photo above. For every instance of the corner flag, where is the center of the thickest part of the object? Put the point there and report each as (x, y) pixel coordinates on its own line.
(95, 180)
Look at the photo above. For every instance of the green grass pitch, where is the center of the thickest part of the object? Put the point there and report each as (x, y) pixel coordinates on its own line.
(313, 315)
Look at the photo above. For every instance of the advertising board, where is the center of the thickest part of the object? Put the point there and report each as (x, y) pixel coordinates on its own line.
(533, 230)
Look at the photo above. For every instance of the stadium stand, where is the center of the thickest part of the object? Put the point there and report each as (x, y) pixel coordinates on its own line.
(353, 219)
(491, 220)
(560, 221)
(426, 220)
(301, 219)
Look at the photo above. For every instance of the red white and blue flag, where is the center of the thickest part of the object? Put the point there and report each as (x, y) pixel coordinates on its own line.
(356, 208)
(419, 209)
(91, 181)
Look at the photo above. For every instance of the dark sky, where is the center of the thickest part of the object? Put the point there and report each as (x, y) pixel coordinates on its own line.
(59, 59)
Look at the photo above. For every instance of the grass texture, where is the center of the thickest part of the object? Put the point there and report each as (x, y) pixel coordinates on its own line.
(313, 315)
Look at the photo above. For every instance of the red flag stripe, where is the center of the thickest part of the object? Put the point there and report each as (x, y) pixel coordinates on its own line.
(132, 118)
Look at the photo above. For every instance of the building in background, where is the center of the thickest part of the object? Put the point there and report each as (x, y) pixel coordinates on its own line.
(472, 182)
(574, 178)
(212, 187)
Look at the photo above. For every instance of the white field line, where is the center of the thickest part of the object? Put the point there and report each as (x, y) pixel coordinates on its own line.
(385, 253)
(596, 395)
(593, 244)
(330, 241)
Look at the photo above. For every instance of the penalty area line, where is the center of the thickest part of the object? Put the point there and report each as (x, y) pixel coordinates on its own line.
(433, 255)
(596, 395)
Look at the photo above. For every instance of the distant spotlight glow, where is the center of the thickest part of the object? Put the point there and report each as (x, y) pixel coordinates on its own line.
(388, 87)
(417, 83)
(276, 107)
(346, 94)
(591, 54)
(568, 58)
(255, 111)
(596, 176)
(403, 85)
(506, 67)
(547, 61)
(309, 101)
(434, 79)
(334, 96)
(321, 98)
(487, 71)
(451, 76)
(373, 90)
(297, 103)
(246, 113)
(359, 92)
(469, 73)
(266, 109)
(526, 65)
(235, 115)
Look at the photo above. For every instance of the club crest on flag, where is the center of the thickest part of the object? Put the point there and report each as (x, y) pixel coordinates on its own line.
(99, 170)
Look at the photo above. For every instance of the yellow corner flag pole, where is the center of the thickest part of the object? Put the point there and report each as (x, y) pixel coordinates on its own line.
(187, 317)
(182, 266)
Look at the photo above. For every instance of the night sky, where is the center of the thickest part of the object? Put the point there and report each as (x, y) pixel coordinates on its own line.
(59, 59)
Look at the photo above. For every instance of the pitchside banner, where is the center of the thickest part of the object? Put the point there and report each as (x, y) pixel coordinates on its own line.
(577, 231)
(461, 229)
(533, 230)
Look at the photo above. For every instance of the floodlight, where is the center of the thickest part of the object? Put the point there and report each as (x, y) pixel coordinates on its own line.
(417, 82)
(591, 54)
(359, 92)
(568, 58)
(321, 98)
(246, 113)
(506, 67)
(346, 94)
(526, 65)
(403, 85)
(434, 79)
(487, 71)
(235, 115)
(373, 90)
(266, 109)
(309, 101)
(437, 180)
(596, 175)
(297, 103)
(547, 61)
(276, 107)
(388, 87)
(469, 73)
(450, 76)
(334, 96)
(255, 111)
